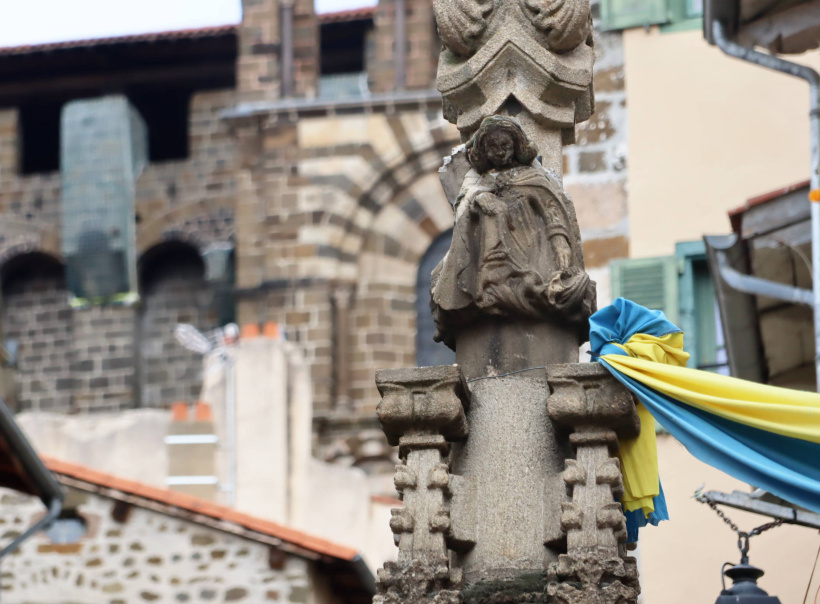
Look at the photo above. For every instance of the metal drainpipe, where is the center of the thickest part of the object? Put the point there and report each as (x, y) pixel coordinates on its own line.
(400, 40)
(287, 49)
(813, 78)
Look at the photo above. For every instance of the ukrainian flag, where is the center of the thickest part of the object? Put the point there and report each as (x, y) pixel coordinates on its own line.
(766, 436)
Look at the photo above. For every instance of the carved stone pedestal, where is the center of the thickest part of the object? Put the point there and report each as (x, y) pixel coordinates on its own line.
(422, 409)
(589, 401)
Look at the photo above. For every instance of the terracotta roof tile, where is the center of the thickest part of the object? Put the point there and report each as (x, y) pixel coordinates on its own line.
(201, 506)
(184, 34)
(356, 14)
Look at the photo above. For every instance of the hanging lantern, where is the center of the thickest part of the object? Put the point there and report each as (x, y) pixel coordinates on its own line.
(745, 589)
(744, 576)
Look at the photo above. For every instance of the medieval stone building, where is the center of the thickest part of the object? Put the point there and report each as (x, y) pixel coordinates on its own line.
(289, 175)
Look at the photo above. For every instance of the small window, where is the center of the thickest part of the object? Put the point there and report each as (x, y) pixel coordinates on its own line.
(344, 52)
(650, 282)
(69, 527)
(166, 117)
(39, 136)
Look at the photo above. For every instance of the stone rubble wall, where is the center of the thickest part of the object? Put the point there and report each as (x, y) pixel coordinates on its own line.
(150, 557)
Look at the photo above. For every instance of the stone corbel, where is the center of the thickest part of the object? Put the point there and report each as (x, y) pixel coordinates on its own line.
(421, 411)
(597, 410)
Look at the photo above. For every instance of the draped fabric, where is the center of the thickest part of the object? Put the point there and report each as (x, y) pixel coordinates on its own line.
(766, 436)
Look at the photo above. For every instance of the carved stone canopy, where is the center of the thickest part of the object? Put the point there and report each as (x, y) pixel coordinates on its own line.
(538, 53)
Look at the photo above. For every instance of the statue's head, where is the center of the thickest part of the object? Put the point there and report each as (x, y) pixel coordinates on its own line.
(500, 143)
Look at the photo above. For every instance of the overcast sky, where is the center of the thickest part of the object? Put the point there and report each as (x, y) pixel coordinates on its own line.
(40, 21)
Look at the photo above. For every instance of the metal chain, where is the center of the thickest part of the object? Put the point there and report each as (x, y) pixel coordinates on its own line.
(742, 536)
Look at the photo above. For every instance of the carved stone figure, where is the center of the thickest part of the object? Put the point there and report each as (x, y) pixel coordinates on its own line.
(516, 248)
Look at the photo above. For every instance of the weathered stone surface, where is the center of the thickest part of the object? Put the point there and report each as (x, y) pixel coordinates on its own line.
(587, 400)
(425, 400)
(516, 248)
(524, 57)
(586, 394)
(422, 409)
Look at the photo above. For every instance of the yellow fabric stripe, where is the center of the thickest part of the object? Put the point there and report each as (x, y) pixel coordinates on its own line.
(639, 456)
(791, 413)
(639, 466)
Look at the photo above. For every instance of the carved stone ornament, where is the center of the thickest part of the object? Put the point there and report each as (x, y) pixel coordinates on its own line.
(539, 52)
(586, 399)
(421, 410)
(516, 249)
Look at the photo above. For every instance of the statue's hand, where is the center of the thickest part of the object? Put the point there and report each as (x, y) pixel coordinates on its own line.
(488, 204)
(563, 253)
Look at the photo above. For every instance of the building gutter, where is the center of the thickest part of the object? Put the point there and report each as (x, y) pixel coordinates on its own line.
(813, 78)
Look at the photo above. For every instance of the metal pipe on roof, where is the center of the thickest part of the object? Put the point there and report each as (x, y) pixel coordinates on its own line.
(813, 78)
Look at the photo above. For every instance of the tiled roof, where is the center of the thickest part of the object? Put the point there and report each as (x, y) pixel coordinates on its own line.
(184, 34)
(199, 506)
(356, 14)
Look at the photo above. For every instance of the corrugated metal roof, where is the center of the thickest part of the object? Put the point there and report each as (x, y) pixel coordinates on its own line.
(183, 34)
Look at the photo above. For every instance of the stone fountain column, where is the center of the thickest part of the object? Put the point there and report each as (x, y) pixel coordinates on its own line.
(529, 510)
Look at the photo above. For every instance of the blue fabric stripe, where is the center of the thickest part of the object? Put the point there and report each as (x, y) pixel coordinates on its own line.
(778, 464)
(636, 519)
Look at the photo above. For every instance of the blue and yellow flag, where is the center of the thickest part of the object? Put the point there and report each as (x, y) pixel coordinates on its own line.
(763, 435)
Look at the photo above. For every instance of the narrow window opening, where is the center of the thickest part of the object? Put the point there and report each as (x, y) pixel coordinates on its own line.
(166, 117)
(39, 136)
(343, 58)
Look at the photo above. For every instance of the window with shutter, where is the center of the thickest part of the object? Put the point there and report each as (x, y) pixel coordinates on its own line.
(650, 282)
(621, 14)
(698, 313)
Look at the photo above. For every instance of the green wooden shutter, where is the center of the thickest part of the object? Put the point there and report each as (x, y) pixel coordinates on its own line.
(650, 282)
(621, 14)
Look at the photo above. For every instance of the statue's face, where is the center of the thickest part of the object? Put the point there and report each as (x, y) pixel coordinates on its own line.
(500, 148)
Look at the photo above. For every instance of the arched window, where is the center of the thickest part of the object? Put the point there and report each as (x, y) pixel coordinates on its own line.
(429, 352)
(173, 289)
(36, 324)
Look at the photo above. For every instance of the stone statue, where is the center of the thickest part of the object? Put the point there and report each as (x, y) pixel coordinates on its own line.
(516, 248)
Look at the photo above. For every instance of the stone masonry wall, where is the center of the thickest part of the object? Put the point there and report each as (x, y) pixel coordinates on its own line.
(36, 314)
(422, 47)
(260, 48)
(168, 371)
(333, 201)
(595, 174)
(151, 557)
(190, 200)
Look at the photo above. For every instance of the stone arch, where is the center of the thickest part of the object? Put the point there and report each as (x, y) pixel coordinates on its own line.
(386, 298)
(368, 183)
(37, 328)
(173, 290)
(197, 224)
